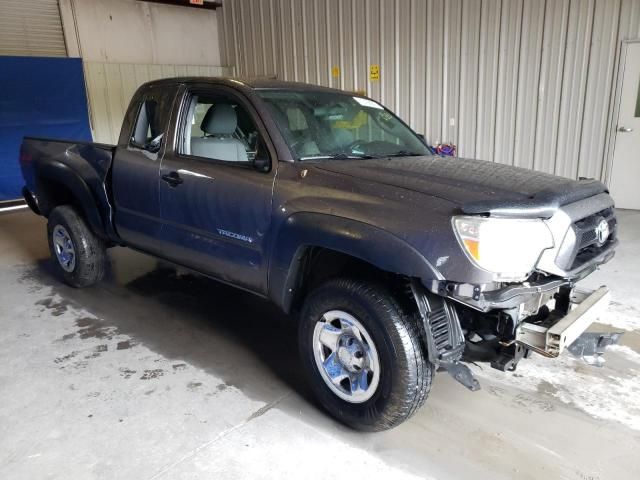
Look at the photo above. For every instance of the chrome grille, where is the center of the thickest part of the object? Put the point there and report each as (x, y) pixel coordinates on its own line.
(585, 246)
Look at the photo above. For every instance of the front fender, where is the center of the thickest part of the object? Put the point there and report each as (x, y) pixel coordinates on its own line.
(359, 240)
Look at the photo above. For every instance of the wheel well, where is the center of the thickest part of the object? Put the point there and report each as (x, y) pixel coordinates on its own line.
(319, 264)
(52, 194)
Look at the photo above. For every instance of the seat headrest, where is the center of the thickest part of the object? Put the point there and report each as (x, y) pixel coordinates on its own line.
(220, 119)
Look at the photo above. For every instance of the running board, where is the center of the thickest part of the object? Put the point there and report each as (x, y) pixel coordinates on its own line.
(444, 339)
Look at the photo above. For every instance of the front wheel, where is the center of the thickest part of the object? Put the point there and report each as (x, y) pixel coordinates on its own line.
(363, 355)
(79, 255)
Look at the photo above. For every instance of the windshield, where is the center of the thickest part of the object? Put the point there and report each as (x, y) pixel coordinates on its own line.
(319, 125)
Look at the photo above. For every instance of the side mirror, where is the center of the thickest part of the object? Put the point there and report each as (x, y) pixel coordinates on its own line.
(262, 161)
(154, 145)
(262, 164)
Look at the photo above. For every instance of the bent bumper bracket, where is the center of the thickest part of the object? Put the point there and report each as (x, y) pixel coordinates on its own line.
(444, 338)
(462, 374)
(550, 339)
(590, 346)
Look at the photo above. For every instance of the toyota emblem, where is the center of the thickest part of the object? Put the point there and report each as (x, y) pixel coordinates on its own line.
(602, 232)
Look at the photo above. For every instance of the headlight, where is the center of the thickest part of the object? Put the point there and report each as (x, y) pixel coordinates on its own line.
(509, 248)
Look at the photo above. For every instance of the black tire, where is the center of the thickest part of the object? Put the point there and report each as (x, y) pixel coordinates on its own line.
(405, 374)
(90, 251)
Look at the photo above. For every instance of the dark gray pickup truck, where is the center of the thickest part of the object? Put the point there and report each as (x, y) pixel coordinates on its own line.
(397, 262)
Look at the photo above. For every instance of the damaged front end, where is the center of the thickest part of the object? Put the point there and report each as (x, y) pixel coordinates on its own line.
(549, 323)
(444, 337)
(529, 301)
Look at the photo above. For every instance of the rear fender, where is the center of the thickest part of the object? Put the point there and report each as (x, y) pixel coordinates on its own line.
(61, 174)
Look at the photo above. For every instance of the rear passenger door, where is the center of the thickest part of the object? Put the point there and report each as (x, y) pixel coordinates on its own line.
(136, 167)
(215, 201)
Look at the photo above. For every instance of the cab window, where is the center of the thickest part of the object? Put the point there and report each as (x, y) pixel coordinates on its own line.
(219, 128)
(146, 129)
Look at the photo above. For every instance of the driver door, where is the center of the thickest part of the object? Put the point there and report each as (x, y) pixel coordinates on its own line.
(215, 203)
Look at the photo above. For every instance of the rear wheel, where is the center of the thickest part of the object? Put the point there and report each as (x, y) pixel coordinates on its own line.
(363, 355)
(78, 254)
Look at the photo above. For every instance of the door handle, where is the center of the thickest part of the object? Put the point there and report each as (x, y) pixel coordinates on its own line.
(625, 129)
(173, 179)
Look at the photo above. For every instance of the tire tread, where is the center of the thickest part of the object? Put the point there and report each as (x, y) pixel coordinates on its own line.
(404, 329)
(91, 253)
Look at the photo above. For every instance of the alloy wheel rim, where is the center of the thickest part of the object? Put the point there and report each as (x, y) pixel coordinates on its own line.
(64, 248)
(346, 356)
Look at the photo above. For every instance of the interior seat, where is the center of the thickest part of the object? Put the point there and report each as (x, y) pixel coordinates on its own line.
(219, 125)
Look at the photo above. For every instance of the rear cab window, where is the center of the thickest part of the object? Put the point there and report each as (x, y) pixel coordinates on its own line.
(147, 118)
(146, 127)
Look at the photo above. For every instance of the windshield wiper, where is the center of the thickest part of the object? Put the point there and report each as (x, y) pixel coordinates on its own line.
(404, 153)
(339, 156)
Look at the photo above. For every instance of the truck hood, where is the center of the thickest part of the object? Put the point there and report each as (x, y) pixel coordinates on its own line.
(475, 186)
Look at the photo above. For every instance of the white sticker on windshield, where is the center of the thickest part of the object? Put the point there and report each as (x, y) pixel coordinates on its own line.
(365, 102)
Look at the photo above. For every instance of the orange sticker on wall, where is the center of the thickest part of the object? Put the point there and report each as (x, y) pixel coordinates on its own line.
(335, 71)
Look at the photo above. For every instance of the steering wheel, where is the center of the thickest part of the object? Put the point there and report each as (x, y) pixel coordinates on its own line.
(295, 144)
(353, 145)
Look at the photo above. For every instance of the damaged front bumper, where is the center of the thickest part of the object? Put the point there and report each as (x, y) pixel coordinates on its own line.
(485, 298)
(551, 336)
(555, 325)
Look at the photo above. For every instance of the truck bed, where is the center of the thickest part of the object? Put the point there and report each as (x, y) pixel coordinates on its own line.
(48, 164)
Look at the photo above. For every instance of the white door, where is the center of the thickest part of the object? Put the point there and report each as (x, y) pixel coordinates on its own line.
(625, 175)
(31, 28)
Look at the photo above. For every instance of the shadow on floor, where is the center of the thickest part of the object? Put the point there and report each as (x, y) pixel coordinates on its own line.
(234, 335)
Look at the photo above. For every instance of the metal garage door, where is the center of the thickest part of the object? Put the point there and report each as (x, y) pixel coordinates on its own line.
(31, 28)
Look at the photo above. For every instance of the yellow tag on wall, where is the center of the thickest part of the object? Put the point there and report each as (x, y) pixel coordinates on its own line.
(374, 72)
(335, 71)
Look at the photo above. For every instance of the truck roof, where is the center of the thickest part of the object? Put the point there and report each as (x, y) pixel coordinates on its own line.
(253, 83)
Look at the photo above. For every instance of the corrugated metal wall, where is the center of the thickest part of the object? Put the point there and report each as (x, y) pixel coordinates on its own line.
(31, 28)
(110, 87)
(524, 82)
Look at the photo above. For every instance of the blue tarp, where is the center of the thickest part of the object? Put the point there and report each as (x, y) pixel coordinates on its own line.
(42, 97)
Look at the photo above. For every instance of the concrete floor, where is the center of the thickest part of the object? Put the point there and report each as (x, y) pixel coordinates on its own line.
(158, 374)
